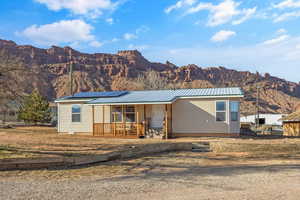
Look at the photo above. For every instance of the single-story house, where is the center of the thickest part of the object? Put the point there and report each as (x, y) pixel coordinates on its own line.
(152, 113)
(291, 124)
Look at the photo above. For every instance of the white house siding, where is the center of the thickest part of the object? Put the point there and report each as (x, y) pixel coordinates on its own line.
(65, 124)
(199, 116)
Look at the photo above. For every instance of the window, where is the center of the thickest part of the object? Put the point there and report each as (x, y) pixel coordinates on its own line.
(76, 113)
(234, 110)
(220, 111)
(261, 121)
(116, 114)
(129, 114)
(123, 114)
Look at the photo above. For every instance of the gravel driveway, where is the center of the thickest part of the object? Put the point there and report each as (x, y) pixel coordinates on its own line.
(165, 176)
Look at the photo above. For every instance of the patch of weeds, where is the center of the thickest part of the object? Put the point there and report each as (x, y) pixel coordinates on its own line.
(5, 151)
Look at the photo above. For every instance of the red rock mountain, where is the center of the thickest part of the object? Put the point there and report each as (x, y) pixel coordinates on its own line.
(100, 71)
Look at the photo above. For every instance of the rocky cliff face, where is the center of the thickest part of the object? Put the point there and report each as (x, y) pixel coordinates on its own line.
(97, 72)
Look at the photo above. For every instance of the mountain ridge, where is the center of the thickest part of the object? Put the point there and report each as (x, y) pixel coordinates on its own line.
(122, 71)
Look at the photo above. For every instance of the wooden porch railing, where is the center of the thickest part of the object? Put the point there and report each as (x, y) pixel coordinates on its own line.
(133, 130)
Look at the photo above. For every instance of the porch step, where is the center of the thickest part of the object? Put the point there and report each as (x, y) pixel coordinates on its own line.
(201, 147)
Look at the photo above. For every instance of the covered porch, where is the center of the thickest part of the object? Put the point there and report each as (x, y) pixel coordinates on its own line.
(132, 120)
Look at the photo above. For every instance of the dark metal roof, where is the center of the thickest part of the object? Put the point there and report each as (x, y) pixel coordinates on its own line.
(93, 95)
(99, 94)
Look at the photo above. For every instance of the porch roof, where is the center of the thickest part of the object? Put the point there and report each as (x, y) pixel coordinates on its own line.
(167, 96)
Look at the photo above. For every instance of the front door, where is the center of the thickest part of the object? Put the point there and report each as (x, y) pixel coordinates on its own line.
(157, 116)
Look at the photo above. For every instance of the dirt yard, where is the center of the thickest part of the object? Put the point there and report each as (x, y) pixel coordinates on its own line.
(179, 175)
(45, 142)
(240, 168)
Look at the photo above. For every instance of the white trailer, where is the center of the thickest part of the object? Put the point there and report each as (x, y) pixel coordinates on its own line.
(265, 119)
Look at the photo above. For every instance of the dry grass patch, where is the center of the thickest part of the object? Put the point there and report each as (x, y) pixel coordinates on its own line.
(290, 147)
(7, 152)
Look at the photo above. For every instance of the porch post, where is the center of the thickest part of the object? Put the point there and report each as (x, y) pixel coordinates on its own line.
(103, 119)
(171, 124)
(166, 122)
(144, 124)
(93, 120)
(114, 131)
(124, 117)
(137, 124)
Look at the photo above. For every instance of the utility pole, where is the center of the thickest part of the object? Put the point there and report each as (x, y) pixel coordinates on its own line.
(71, 73)
(257, 106)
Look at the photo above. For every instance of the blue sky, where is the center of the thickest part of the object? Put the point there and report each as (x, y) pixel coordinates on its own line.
(249, 35)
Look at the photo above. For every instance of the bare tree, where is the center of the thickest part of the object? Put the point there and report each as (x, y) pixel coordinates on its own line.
(152, 80)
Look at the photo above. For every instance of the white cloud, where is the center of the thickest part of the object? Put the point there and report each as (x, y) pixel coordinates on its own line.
(135, 35)
(180, 4)
(129, 36)
(62, 32)
(201, 6)
(287, 4)
(222, 35)
(223, 13)
(281, 31)
(95, 44)
(115, 40)
(286, 16)
(138, 47)
(248, 13)
(142, 29)
(90, 8)
(276, 40)
(110, 21)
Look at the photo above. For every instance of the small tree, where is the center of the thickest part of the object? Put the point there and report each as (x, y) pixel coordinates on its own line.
(35, 109)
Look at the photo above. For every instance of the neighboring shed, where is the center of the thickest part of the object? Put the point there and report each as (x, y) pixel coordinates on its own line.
(291, 124)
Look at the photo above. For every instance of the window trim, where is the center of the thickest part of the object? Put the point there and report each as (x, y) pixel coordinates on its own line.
(76, 113)
(225, 111)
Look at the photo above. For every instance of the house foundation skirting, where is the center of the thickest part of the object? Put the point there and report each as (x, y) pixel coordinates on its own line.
(205, 134)
(171, 135)
(76, 133)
